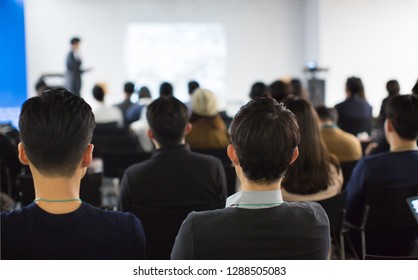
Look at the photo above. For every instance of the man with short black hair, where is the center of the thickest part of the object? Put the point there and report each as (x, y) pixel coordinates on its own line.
(56, 129)
(128, 89)
(394, 169)
(257, 223)
(174, 177)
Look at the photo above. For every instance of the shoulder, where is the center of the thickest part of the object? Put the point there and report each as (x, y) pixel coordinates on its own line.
(308, 211)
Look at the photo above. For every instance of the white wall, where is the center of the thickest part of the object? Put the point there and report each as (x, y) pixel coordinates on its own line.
(375, 40)
(264, 37)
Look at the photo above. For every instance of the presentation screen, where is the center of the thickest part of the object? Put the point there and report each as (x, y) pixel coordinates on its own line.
(177, 53)
(13, 60)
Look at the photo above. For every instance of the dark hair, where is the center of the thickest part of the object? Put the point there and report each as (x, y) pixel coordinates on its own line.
(258, 89)
(392, 87)
(415, 88)
(75, 40)
(55, 129)
(311, 172)
(296, 87)
(402, 111)
(128, 88)
(279, 90)
(327, 114)
(167, 118)
(98, 93)
(192, 85)
(144, 92)
(40, 86)
(166, 89)
(355, 86)
(264, 134)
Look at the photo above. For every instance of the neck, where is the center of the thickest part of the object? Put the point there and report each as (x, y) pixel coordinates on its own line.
(247, 185)
(57, 188)
(399, 145)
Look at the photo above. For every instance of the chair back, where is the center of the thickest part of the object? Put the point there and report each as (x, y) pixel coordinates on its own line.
(347, 168)
(335, 209)
(115, 162)
(388, 207)
(161, 226)
(231, 178)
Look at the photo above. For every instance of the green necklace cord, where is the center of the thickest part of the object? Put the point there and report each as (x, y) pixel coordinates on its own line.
(57, 200)
(256, 204)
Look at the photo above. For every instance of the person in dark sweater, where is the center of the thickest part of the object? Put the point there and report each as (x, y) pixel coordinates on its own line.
(396, 169)
(56, 129)
(257, 223)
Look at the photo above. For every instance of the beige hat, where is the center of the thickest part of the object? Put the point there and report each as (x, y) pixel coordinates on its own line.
(204, 103)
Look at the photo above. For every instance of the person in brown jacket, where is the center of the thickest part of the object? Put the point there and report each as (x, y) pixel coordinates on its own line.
(209, 130)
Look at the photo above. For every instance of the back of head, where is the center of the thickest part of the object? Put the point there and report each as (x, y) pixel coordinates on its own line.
(166, 89)
(204, 103)
(327, 114)
(192, 86)
(296, 87)
(309, 173)
(128, 88)
(279, 90)
(264, 134)
(98, 93)
(144, 92)
(167, 118)
(415, 88)
(55, 130)
(355, 86)
(402, 111)
(393, 87)
(75, 41)
(258, 89)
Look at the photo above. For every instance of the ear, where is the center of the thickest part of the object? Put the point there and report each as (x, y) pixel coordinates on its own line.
(22, 154)
(295, 155)
(388, 125)
(150, 134)
(188, 128)
(232, 154)
(87, 156)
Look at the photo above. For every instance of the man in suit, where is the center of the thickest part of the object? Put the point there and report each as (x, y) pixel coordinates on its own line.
(56, 129)
(174, 177)
(257, 223)
(73, 64)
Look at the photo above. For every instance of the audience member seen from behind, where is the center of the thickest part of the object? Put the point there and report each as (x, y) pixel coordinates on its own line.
(166, 90)
(393, 89)
(256, 223)
(128, 89)
(191, 86)
(345, 146)
(56, 129)
(106, 114)
(296, 88)
(395, 169)
(278, 90)
(174, 177)
(140, 127)
(209, 130)
(258, 89)
(316, 175)
(355, 113)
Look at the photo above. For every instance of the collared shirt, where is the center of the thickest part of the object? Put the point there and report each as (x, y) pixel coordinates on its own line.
(255, 199)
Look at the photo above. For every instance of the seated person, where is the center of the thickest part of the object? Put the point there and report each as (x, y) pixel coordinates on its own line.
(355, 113)
(345, 146)
(128, 89)
(257, 223)
(174, 177)
(138, 111)
(394, 169)
(104, 114)
(56, 129)
(316, 175)
(209, 130)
